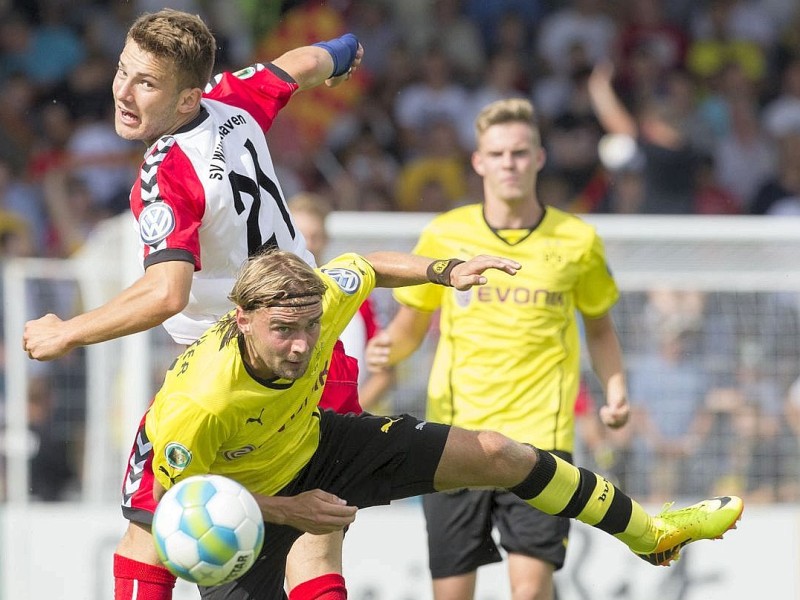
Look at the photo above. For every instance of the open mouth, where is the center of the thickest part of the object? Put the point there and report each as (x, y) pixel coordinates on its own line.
(127, 117)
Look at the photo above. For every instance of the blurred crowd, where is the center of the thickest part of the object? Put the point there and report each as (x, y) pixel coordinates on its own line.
(645, 107)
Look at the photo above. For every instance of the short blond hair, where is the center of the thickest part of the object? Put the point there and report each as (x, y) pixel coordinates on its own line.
(507, 110)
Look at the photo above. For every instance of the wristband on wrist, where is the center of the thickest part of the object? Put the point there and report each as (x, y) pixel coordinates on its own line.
(343, 52)
(438, 271)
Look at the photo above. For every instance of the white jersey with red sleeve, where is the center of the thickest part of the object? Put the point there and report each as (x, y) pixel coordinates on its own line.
(208, 194)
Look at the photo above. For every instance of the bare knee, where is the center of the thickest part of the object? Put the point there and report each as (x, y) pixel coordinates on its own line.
(510, 460)
(137, 544)
(482, 459)
(313, 556)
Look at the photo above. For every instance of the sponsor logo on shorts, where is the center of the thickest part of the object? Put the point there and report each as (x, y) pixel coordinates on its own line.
(156, 222)
(178, 456)
(238, 453)
(349, 281)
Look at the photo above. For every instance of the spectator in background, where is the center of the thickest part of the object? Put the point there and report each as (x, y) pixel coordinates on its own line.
(310, 212)
(56, 126)
(504, 79)
(374, 23)
(667, 389)
(45, 53)
(669, 158)
(782, 113)
(361, 164)
(711, 198)
(780, 191)
(461, 41)
(745, 157)
(573, 135)
(625, 194)
(580, 22)
(439, 167)
(716, 43)
(493, 17)
(434, 96)
(749, 442)
(21, 203)
(645, 25)
(17, 127)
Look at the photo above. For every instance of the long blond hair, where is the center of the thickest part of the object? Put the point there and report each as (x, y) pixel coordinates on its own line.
(271, 278)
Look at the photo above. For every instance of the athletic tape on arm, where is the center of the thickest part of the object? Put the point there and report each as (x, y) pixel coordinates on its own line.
(343, 52)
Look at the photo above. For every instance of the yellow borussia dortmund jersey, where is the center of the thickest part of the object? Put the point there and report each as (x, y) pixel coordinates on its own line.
(212, 416)
(508, 355)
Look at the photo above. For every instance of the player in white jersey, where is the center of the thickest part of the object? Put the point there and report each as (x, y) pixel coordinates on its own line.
(207, 196)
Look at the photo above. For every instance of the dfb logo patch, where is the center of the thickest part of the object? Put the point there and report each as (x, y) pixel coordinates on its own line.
(156, 222)
(349, 281)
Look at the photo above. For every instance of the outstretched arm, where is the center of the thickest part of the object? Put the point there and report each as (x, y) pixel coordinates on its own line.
(331, 62)
(160, 293)
(408, 328)
(397, 269)
(608, 108)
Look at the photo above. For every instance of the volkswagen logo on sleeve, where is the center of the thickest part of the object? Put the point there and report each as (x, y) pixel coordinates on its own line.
(156, 222)
(349, 281)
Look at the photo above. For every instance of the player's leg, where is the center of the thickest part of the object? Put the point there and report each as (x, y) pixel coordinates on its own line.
(314, 568)
(138, 574)
(457, 587)
(459, 526)
(536, 544)
(530, 578)
(489, 459)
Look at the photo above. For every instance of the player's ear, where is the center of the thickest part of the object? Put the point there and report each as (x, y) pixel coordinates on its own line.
(541, 158)
(477, 163)
(189, 100)
(242, 320)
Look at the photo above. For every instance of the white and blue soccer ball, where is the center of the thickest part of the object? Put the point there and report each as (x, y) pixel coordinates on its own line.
(208, 529)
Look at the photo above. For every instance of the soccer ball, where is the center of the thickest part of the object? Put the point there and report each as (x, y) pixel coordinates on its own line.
(208, 529)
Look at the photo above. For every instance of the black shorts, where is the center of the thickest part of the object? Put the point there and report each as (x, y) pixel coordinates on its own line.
(460, 527)
(365, 459)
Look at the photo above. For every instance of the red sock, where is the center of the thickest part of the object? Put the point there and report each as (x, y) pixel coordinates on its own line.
(134, 580)
(325, 587)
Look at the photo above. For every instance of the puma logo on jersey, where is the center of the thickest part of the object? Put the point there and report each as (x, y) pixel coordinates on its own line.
(255, 419)
(420, 425)
(385, 427)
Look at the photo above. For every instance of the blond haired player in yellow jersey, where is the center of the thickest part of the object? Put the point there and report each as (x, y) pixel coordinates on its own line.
(508, 355)
(242, 402)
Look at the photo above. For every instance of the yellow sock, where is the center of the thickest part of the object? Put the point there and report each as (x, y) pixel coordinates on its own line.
(558, 488)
